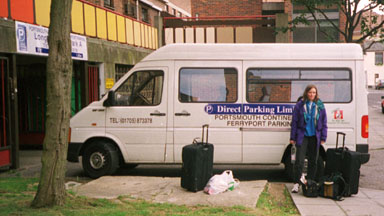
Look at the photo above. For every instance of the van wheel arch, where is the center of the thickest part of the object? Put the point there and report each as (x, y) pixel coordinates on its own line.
(121, 158)
(94, 139)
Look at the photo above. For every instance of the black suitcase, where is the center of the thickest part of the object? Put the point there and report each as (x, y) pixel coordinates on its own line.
(347, 162)
(197, 164)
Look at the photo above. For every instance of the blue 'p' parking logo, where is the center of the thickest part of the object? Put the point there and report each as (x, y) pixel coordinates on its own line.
(208, 109)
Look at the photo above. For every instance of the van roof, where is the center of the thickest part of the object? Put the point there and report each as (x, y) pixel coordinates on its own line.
(278, 51)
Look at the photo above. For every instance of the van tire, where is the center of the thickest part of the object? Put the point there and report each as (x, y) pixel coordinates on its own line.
(100, 158)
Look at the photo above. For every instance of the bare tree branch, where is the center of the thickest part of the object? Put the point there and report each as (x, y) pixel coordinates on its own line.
(370, 45)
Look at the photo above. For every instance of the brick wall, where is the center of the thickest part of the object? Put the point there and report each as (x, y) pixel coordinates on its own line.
(288, 9)
(342, 23)
(119, 6)
(226, 7)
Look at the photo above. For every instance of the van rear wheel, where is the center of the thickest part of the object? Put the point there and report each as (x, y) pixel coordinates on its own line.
(100, 158)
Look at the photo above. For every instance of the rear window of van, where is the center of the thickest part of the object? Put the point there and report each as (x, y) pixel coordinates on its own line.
(265, 85)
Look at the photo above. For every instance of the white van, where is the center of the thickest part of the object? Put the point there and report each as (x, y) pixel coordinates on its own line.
(245, 92)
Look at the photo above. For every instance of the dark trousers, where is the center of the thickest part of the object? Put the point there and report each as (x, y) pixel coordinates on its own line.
(307, 148)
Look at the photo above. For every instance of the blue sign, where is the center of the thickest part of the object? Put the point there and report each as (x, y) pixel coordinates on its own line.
(249, 109)
(21, 35)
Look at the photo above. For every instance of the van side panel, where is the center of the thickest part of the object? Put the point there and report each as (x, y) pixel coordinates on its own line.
(265, 143)
(361, 105)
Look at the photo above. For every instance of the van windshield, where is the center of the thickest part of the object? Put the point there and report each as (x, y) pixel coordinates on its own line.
(287, 85)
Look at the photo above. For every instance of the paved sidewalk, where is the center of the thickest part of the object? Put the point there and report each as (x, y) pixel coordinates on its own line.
(168, 190)
(366, 202)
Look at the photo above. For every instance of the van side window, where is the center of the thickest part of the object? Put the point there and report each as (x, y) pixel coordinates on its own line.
(212, 85)
(286, 85)
(142, 88)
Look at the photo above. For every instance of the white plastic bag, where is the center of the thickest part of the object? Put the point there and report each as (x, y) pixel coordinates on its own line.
(220, 183)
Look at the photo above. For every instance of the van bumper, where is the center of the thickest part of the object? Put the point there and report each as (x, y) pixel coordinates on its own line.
(73, 152)
(363, 149)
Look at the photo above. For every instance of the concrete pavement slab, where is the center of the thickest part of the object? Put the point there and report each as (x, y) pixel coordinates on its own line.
(366, 202)
(168, 190)
(320, 210)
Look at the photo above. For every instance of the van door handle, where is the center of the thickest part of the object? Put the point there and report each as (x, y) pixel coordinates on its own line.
(157, 113)
(183, 113)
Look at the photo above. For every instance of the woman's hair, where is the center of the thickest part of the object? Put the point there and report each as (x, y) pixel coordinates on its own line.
(307, 89)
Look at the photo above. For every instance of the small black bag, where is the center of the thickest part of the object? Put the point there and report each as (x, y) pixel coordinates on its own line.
(333, 186)
(310, 189)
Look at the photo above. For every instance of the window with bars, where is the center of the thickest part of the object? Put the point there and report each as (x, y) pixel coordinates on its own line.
(144, 15)
(121, 70)
(130, 9)
(108, 3)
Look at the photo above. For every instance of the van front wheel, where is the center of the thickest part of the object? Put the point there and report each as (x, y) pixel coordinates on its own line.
(100, 158)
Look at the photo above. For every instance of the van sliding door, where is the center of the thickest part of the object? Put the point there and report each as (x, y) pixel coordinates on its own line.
(206, 92)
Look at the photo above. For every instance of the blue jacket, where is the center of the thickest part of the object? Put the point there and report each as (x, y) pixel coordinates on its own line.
(298, 123)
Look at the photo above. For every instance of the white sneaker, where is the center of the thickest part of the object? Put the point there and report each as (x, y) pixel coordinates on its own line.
(295, 188)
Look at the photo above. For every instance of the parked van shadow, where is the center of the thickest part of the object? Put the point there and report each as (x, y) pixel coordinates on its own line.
(271, 173)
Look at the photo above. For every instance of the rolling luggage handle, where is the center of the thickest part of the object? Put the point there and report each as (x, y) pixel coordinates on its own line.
(337, 139)
(205, 129)
(343, 149)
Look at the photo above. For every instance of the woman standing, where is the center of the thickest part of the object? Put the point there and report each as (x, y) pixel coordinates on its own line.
(308, 132)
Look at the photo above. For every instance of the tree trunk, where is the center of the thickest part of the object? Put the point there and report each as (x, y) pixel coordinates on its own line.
(51, 190)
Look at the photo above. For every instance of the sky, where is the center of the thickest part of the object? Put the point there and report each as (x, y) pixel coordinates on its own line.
(364, 2)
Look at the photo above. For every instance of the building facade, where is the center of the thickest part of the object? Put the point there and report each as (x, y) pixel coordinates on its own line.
(108, 38)
(374, 63)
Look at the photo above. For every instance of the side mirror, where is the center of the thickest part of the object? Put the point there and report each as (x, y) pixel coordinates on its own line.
(110, 99)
